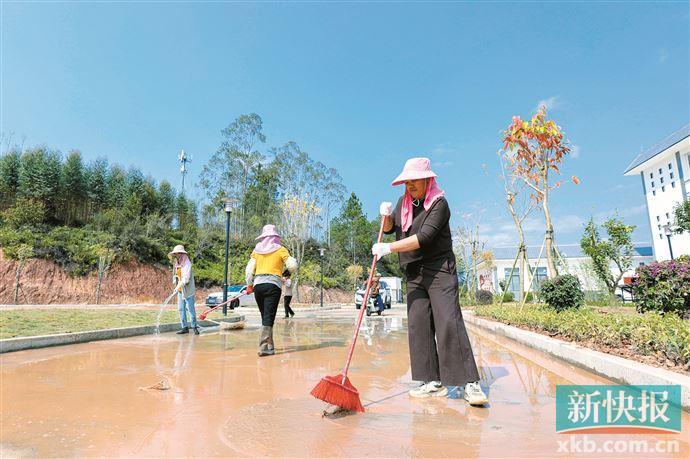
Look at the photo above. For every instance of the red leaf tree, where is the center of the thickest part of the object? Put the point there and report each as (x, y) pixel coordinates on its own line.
(533, 151)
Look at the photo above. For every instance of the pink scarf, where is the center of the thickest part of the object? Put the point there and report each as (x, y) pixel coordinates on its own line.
(267, 245)
(433, 192)
(183, 261)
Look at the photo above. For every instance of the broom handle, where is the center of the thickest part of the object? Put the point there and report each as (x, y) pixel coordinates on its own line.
(364, 306)
(205, 313)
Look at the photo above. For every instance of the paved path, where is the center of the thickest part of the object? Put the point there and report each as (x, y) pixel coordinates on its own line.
(85, 399)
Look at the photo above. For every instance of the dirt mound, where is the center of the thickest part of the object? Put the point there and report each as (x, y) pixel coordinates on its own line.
(44, 282)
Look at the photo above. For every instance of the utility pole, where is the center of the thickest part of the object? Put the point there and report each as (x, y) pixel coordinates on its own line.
(184, 160)
(321, 252)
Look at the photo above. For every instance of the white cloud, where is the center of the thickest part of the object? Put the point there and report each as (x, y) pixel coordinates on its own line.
(575, 151)
(440, 165)
(551, 103)
(663, 55)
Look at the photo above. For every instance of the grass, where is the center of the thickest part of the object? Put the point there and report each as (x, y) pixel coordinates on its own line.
(34, 322)
(661, 338)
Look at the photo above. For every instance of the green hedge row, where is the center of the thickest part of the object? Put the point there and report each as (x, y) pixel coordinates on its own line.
(666, 337)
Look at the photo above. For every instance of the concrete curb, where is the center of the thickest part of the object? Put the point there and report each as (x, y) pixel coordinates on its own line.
(35, 342)
(618, 369)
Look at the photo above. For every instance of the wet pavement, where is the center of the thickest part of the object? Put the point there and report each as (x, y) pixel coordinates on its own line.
(87, 399)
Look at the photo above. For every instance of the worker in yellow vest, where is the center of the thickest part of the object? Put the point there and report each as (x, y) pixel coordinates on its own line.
(264, 271)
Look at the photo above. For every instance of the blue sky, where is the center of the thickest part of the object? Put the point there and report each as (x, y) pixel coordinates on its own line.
(361, 87)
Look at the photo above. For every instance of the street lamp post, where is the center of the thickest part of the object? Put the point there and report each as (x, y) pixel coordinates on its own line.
(669, 232)
(321, 252)
(229, 202)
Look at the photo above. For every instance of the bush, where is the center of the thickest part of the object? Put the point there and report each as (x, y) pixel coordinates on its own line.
(663, 287)
(484, 297)
(25, 212)
(529, 297)
(508, 297)
(562, 292)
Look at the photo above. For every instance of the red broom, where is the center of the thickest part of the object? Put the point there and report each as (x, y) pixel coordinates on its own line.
(338, 390)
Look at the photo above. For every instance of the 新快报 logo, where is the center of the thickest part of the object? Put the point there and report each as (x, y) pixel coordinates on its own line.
(618, 409)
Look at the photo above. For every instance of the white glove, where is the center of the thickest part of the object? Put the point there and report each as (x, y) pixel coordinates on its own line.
(386, 209)
(381, 249)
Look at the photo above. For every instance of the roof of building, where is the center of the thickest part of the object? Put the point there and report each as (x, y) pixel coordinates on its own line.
(566, 250)
(660, 147)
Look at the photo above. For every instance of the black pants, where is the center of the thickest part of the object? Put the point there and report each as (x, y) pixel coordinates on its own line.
(267, 297)
(286, 303)
(440, 349)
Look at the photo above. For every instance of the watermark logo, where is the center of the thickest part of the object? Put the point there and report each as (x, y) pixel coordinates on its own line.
(618, 409)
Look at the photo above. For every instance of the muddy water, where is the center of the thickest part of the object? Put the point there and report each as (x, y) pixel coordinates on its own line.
(85, 400)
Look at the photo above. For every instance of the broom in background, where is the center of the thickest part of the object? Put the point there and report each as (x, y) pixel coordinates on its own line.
(338, 390)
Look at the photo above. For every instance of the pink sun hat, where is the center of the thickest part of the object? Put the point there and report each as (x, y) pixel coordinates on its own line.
(415, 169)
(268, 231)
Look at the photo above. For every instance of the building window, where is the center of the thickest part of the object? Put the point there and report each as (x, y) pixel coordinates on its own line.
(660, 171)
(671, 175)
(654, 192)
(667, 216)
(513, 285)
(659, 227)
(651, 175)
(652, 184)
(661, 237)
(658, 218)
(673, 184)
(661, 180)
(670, 166)
(642, 263)
(663, 189)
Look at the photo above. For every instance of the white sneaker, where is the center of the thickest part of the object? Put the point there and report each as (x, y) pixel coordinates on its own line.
(474, 394)
(430, 389)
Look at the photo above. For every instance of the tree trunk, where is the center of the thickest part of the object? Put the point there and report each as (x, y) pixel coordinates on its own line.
(98, 288)
(20, 265)
(549, 234)
(522, 252)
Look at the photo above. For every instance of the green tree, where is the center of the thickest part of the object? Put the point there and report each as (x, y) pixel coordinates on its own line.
(73, 188)
(39, 178)
(261, 200)
(616, 251)
(9, 178)
(353, 232)
(116, 186)
(166, 198)
(228, 172)
(682, 216)
(97, 185)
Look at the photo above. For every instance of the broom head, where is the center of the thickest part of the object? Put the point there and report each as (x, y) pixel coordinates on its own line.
(332, 390)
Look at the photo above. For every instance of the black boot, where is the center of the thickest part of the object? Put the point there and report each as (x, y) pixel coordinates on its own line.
(183, 331)
(196, 330)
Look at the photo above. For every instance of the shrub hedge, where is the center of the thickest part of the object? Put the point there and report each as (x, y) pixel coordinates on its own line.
(666, 337)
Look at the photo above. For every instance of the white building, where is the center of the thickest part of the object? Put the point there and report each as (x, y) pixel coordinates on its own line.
(577, 263)
(665, 173)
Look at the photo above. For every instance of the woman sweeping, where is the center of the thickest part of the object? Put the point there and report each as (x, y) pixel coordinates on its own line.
(264, 270)
(440, 350)
(183, 278)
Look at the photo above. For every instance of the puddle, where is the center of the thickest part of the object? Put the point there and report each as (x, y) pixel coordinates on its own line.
(84, 400)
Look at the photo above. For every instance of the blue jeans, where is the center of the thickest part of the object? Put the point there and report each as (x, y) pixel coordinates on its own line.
(378, 301)
(189, 301)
